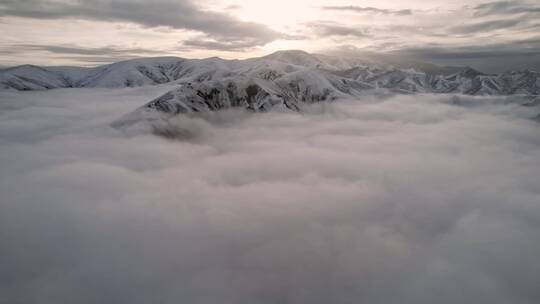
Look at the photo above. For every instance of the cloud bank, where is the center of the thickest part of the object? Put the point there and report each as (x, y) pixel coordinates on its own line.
(176, 14)
(409, 199)
(368, 10)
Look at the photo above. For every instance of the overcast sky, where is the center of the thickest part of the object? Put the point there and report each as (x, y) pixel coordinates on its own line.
(493, 35)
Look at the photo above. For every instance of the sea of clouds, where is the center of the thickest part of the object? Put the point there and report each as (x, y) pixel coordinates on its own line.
(407, 199)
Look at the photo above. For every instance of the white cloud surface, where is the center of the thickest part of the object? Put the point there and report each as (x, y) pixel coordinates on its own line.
(405, 200)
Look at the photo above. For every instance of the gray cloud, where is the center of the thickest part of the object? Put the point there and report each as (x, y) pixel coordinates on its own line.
(363, 201)
(101, 55)
(485, 26)
(488, 56)
(227, 46)
(178, 14)
(506, 8)
(334, 29)
(496, 58)
(105, 51)
(370, 10)
(473, 52)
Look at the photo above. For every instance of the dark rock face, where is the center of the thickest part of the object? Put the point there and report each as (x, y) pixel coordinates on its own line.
(255, 94)
(239, 92)
(292, 90)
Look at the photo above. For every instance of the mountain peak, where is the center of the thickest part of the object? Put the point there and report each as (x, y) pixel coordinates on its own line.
(298, 57)
(470, 72)
(289, 53)
(407, 76)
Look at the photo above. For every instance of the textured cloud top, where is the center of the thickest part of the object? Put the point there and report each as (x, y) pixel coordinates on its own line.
(408, 199)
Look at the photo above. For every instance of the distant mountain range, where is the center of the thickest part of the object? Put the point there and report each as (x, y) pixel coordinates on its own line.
(282, 79)
(415, 77)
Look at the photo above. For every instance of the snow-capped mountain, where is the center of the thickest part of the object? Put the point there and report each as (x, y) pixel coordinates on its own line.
(285, 79)
(256, 93)
(130, 73)
(30, 77)
(419, 77)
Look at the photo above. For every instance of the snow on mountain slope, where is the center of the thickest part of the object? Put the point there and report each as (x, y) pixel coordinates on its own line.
(151, 71)
(250, 93)
(416, 77)
(521, 82)
(287, 92)
(467, 81)
(299, 58)
(311, 85)
(129, 73)
(269, 70)
(136, 72)
(283, 80)
(339, 63)
(31, 78)
(255, 94)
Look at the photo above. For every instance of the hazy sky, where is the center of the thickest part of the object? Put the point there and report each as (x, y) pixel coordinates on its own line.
(490, 34)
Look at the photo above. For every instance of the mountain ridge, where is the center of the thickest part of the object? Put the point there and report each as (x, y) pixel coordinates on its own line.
(284, 79)
(420, 77)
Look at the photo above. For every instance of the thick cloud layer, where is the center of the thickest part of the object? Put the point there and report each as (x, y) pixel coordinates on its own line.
(410, 199)
(177, 14)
